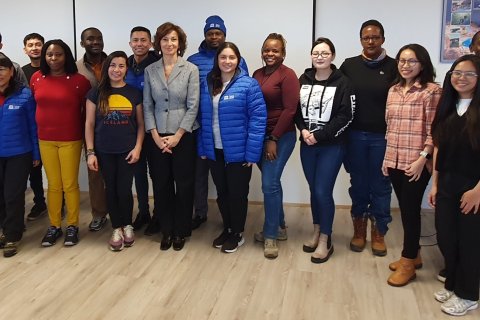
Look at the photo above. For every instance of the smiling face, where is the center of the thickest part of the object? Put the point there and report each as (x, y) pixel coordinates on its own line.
(322, 56)
(227, 61)
(92, 41)
(408, 66)
(273, 53)
(117, 70)
(372, 41)
(465, 79)
(5, 75)
(55, 58)
(33, 48)
(169, 44)
(140, 43)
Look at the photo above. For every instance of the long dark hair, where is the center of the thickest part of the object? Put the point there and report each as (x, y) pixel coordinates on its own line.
(13, 85)
(70, 66)
(104, 86)
(216, 73)
(427, 73)
(447, 106)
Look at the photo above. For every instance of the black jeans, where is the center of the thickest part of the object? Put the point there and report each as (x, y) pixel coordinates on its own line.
(458, 236)
(36, 183)
(141, 174)
(118, 177)
(14, 173)
(233, 182)
(173, 176)
(410, 195)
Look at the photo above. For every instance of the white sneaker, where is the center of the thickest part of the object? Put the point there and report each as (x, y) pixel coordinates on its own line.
(116, 240)
(128, 236)
(456, 306)
(443, 295)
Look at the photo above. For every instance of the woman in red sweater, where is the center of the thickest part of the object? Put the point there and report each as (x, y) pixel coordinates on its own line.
(59, 91)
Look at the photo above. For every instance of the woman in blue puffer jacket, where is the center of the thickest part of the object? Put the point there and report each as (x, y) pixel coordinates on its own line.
(18, 148)
(232, 131)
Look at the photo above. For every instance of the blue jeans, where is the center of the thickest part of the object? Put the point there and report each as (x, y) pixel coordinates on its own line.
(321, 165)
(272, 186)
(370, 190)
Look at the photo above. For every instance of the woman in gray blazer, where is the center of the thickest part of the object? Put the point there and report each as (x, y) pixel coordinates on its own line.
(170, 99)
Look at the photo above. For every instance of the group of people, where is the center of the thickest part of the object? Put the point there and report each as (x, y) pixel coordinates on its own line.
(384, 119)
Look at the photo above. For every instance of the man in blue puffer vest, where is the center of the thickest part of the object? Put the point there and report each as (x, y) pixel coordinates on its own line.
(215, 33)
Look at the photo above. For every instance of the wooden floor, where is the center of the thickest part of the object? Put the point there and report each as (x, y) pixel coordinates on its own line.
(90, 282)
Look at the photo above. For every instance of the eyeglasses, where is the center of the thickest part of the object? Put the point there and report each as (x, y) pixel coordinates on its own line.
(457, 74)
(372, 38)
(322, 54)
(410, 62)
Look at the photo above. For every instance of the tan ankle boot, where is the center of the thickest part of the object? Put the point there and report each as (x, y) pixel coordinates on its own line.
(379, 248)
(404, 273)
(324, 249)
(417, 262)
(359, 238)
(311, 244)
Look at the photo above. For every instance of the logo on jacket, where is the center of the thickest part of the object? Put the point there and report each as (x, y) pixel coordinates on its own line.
(230, 97)
(12, 107)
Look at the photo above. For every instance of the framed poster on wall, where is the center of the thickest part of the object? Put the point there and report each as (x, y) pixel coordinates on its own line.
(461, 20)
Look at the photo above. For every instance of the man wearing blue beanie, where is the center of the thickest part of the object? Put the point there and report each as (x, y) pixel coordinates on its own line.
(215, 33)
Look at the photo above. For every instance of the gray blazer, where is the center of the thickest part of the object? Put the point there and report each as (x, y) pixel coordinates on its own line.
(169, 105)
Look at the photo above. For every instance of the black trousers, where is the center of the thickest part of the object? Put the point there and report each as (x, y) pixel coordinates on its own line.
(118, 177)
(458, 236)
(410, 195)
(232, 181)
(173, 177)
(36, 183)
(14, 173)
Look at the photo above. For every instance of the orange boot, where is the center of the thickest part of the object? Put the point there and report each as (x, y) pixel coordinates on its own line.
(379, 248)
(359, 238)
(404, 273)
(417, 262)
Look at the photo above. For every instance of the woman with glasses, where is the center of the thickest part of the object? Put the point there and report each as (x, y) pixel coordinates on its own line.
(325, 110)
(411, 106)
(455, 192)
(371, 74)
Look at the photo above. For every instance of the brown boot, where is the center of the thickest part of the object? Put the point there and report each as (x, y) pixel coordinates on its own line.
(404, 273)
(311, 244)
(417, 262)
(324, 249)
(359, 238)
(379, 248)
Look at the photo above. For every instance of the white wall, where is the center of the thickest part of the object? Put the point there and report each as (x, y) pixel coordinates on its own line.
(248, 22)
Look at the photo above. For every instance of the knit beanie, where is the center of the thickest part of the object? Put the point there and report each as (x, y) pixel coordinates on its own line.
(215, 22)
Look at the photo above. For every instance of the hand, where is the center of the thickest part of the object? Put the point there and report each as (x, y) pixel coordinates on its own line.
(92, 162)
(270, 150)
(36, 163)
(432, 196)
(470, 201)
(172, 141)
(308, 137)
(415, 169)
(384, 170)
(133, 156)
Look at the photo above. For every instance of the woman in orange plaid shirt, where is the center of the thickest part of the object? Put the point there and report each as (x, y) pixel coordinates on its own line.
(411, 106)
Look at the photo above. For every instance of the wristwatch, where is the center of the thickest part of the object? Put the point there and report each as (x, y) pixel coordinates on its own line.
(425, 154)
